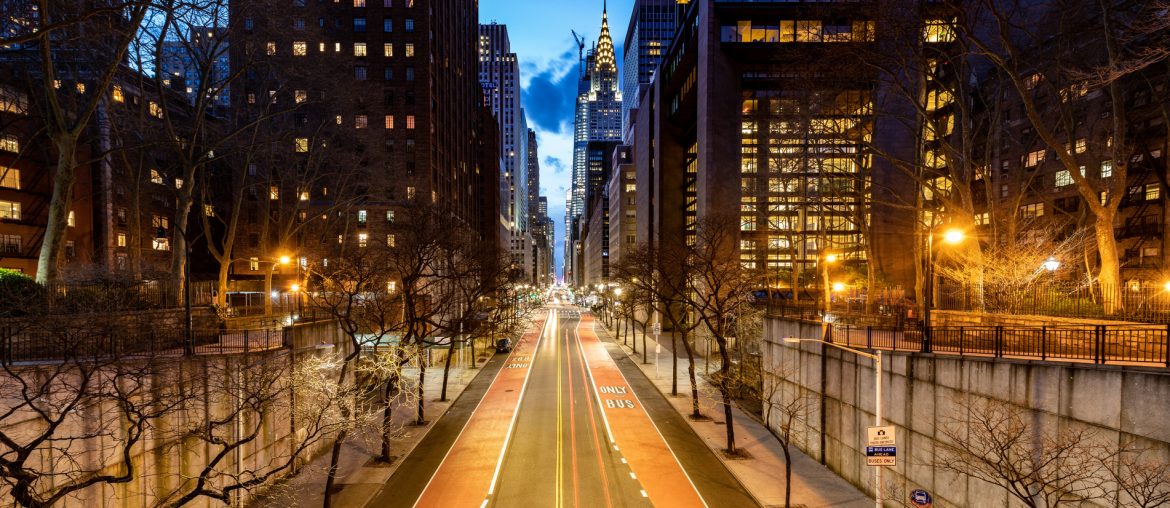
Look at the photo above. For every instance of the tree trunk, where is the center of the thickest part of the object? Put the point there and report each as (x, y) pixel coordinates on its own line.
(725, 392)
(179, 246)
(388, 415)
(692, 376)
(787, 475)
(422, 374)
(331, 478)
(1109, 277)
(53, 243)
(447, 371)
(222, 282)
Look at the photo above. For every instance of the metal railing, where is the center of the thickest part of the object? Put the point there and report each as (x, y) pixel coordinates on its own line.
(29, 346)
(97, 297)
(1144, 304)
(1146, 345)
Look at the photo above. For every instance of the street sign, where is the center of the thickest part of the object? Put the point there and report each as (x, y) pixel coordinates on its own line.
(921, 498)
(881, 455)
(657, 329)
(880, 436)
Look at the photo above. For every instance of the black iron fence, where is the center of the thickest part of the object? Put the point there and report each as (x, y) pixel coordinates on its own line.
(28, 297)
(46, 346)
(1129, 344)
(1145, 304)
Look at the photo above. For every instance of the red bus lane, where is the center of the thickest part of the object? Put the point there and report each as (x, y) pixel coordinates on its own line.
(631, 429)
(468, 471)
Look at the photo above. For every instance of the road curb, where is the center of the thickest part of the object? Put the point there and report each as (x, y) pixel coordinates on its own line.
(690, 424)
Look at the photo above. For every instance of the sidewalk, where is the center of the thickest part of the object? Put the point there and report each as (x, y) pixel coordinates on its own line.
(359, 476)
(813, 485)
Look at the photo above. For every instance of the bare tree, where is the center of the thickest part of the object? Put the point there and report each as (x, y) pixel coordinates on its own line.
(720, 287)
(70, 54)
(1142, 480)
(992, 441)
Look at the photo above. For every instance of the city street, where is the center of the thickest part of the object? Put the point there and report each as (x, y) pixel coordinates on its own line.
(567, 421)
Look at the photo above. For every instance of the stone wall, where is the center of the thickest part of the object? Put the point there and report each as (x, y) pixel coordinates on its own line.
(167, 458)
(922, 391)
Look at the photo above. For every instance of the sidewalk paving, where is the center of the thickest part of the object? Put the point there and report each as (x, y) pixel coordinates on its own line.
(813, 485)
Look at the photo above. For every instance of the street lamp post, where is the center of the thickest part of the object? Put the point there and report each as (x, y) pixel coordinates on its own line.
(877, 398)
(953, 236)
(268, 292)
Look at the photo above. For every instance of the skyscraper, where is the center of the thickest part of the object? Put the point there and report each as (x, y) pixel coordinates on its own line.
(499, 74)
(598, 119)
(205, 49)
(647, 37)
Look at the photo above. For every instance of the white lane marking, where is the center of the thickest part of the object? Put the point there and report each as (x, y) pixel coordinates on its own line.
(644, 494)
(647, 413)
(633, 476)
(468, 422)
(624, 460)
(516, 411)
(593, 385)
(483, 504)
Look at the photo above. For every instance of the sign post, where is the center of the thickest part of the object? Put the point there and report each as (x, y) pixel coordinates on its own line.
(657, 345)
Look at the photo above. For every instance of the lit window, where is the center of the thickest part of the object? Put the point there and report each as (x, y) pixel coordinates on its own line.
(1153, 192)
(271, 48)
(409, 24)
(1031, 80)
(117, 94)
(159, 221)
(362, 239)
(1082, 145)
(359, 24)
(392, 286)
(982, 219)
(254, 264)
(1063, 178)
(409, 49)
(300, 96)
(359, 3)
(390, 240)
(303, 194)
(179, 183)
(71, 219)
(273, 192)
(1034, 159)
(161, 244)
(410, 193)
(389, 121)
(1106, 169)
(9, 143)
(10, 210)
(155, 110)
(359, 49)
(302, 145)
(209, 210)
(156, 177)
(387, 49)
(360, 122)
(300, 48)
(121, 239)
(361, 217)
(389, 216)
(938, 30)
(321, 47)
(387, 24)
(9, 177)
(359, 73)
(1032, 211)
(409, 121)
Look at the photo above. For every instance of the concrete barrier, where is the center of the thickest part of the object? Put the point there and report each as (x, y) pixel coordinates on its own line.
(1119, 404)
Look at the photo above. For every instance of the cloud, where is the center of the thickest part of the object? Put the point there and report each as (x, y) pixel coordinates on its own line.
(557, 165)
(550, 98)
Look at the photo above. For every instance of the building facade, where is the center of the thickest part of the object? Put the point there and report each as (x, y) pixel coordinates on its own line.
(649, 33)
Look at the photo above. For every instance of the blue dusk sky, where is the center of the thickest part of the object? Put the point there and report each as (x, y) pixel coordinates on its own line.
(540, 34)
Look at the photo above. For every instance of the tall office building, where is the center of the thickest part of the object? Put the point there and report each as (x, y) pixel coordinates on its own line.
(381, 108)
(598, 119)
(204, 48)
(647, 37)
(499, 74)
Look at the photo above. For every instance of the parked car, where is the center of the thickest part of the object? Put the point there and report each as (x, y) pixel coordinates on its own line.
(504, 346)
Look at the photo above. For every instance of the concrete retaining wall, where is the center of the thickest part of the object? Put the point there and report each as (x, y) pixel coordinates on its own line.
(1119, 405)
(167, 458)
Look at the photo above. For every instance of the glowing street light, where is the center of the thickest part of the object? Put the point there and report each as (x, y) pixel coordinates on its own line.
(953, 236)
(838, 287)
(1051, 264)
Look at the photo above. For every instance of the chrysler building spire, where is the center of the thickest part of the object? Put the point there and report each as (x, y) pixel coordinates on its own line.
(605, 60)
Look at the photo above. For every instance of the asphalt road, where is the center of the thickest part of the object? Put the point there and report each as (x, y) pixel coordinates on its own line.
(564, 420)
